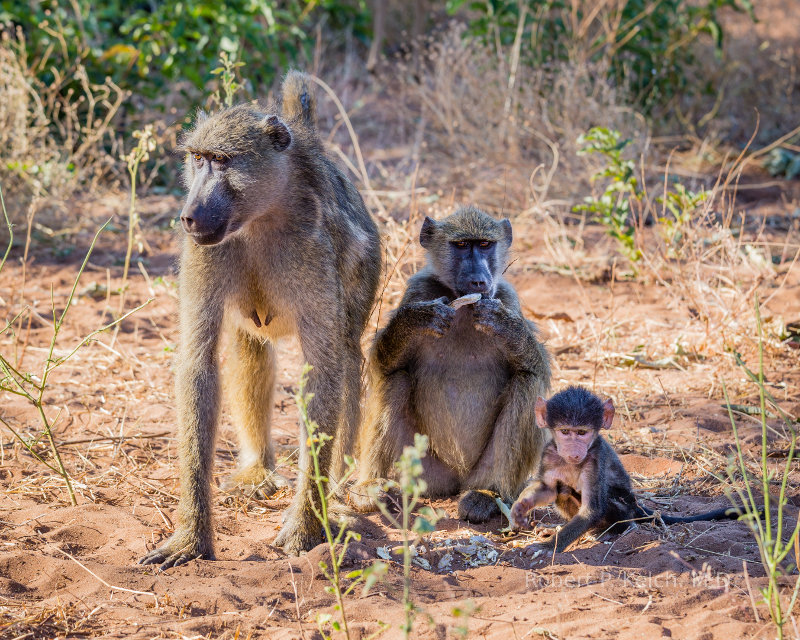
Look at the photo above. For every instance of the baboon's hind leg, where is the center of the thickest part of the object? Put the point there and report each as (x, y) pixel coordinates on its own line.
(301, 529)
(250, 384)
(347, 434)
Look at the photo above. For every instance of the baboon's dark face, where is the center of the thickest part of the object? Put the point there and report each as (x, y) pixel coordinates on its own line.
(235, 171)
(467, 250)
(206, 216)
(473, 264)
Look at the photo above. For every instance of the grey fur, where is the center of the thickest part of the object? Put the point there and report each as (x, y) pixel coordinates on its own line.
(467, 378)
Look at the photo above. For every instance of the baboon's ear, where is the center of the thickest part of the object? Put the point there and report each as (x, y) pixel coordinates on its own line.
(540, 410)
(277, 132)
(608, 414)
(427, 232)
(507, 233)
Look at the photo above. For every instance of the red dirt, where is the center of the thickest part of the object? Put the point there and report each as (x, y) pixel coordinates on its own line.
(117, 437)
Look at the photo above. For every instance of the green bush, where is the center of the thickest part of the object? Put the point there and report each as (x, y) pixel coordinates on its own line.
(646, 43)
(612, 208)
(148, 47)
(128, 59)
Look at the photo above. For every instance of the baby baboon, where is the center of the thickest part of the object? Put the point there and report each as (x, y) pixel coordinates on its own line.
(583, 475)
(466, 377)
(278, 242)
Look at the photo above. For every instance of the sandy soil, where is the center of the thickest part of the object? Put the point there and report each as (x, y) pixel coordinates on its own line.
(70, 571)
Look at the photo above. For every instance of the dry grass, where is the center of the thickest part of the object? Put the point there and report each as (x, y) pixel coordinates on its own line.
(66, 621)
(501, 136)
(54, 139)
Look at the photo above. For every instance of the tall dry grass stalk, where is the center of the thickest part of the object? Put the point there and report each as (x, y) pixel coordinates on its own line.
(712, 260)
(55, 135)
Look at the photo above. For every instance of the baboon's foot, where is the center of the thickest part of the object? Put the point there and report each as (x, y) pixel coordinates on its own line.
(301, 531)
(341, 516)
(364, 496)
(541, 550)
(182, 547)
(255, 481)
(477, 506)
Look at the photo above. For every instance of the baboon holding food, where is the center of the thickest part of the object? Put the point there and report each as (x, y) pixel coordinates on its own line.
(277, 242)
(468, 377)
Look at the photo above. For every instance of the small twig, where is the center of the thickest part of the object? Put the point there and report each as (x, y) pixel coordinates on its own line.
(296, 603)
(164, 516)
(750, 591)
(115, 438)
(354, 138)
(621, 604)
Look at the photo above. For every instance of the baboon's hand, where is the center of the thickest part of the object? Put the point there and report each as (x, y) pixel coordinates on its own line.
(182, 547)
(490, 316)
(361, 496)
(364, 497)
(255, 481)
(519, 514)
(432, 318)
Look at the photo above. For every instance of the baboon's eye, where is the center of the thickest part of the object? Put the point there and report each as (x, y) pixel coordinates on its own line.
(198, 157)
(581, 432)
(564, 432)
(483, 244)
(218, 157)
(461, 244)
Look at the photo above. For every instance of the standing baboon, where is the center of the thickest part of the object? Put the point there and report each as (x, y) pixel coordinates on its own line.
(466, 377)
(581, 473)
(278, 242)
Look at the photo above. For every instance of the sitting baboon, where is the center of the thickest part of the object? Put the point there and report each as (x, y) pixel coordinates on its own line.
(581, 473)
(467, 377)
(277, 242)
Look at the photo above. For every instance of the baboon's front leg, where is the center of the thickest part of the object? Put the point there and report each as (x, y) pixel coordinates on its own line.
(537, 494)
(322, 349)
(197, 391)
(593, 489)
(511, 452)
(250, 385)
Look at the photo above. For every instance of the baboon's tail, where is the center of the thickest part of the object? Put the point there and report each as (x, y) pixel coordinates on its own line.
(298, 101)
(731, 513)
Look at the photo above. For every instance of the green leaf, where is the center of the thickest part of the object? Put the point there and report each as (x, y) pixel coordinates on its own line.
(373, 574)
(423, 525)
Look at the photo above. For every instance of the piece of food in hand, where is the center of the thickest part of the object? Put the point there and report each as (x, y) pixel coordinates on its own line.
(470, 298)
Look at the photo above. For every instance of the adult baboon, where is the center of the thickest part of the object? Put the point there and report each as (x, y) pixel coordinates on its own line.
(277, 242)
(466, 377)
